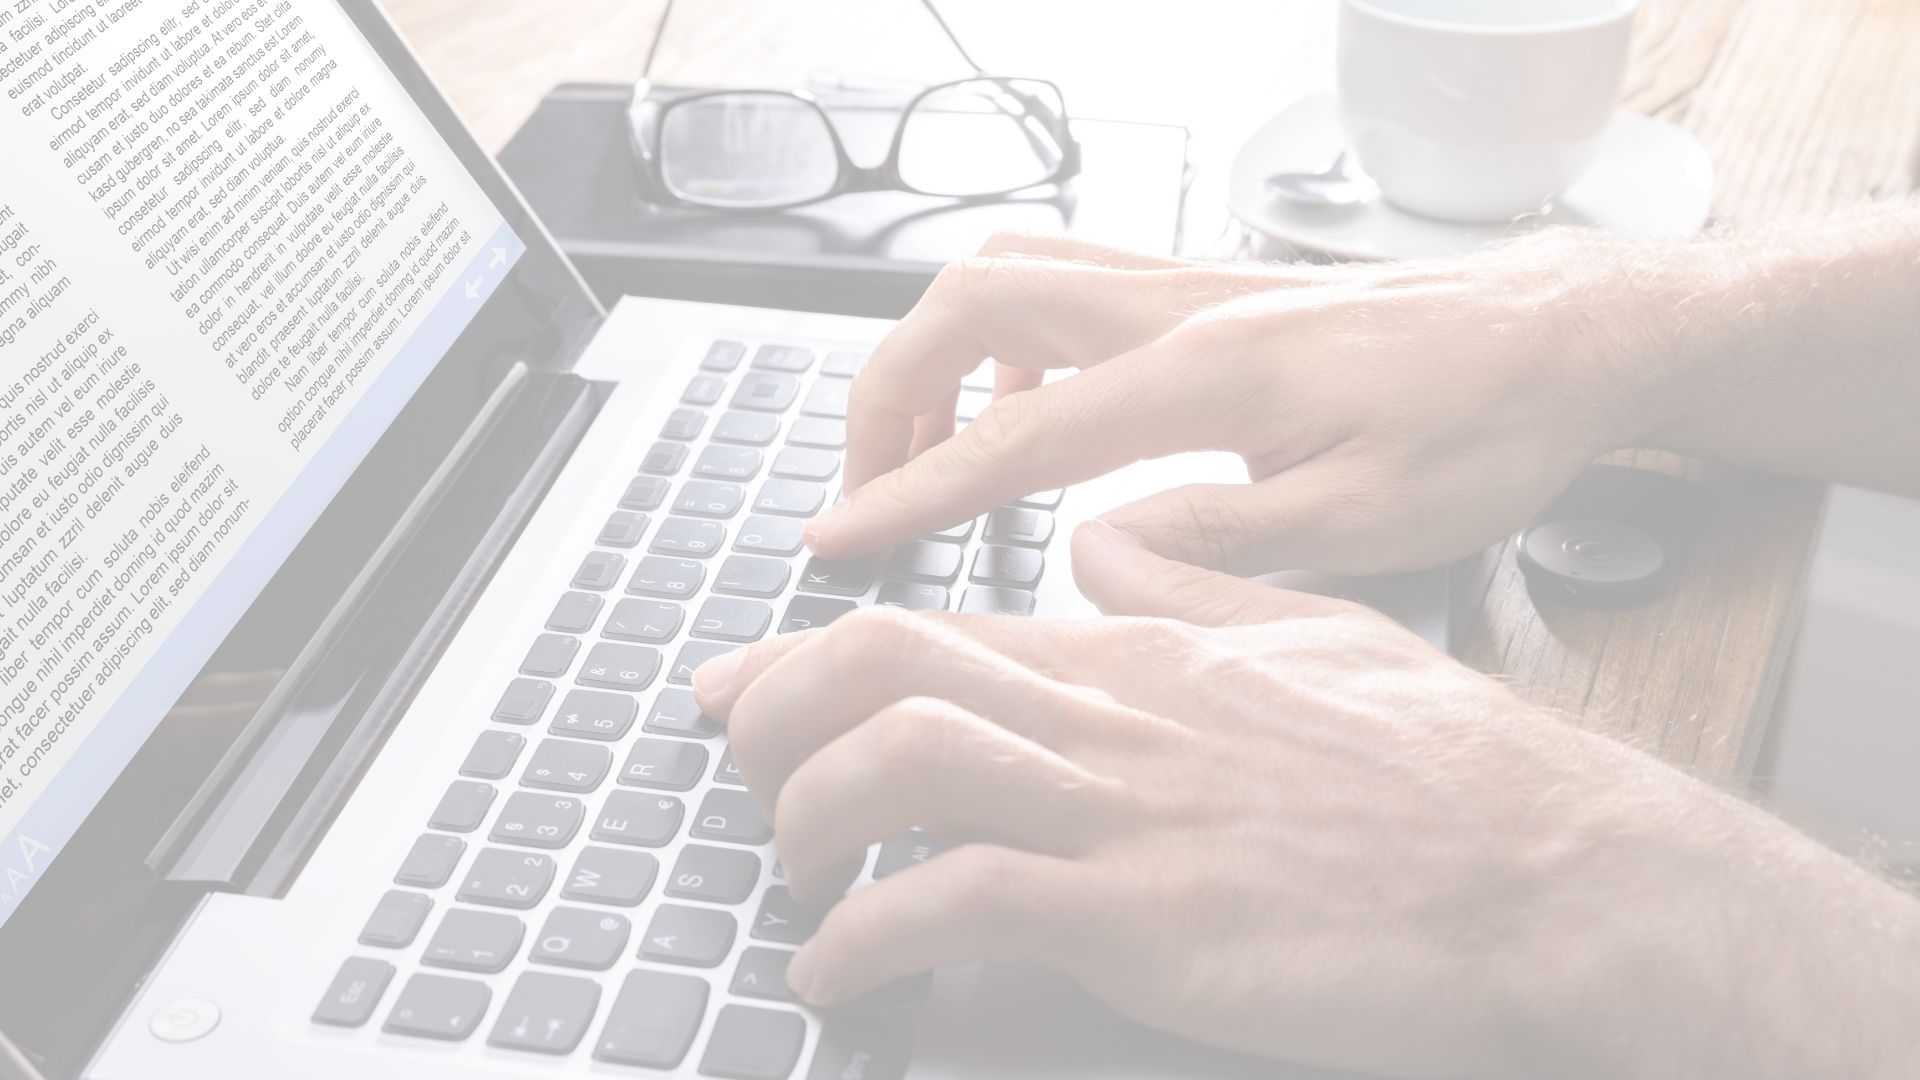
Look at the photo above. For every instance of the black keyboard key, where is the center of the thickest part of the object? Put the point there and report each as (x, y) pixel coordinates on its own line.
(827, 398)
(902, 995)
(1015, 568)
(819, 431)
(727, 618)
(641, 820)
(812, 612)
(727, 463)
(549, 655)
(649, 622)
(790, 498)
(746, 429)
(396, 919)
(430, 862)
(926, 560)
(684, 425)
(708, 499)
(840, 577)
(644, 493)
(697, 937)
(1041, 500)
(762, 973)
(805, 463)
(576, 937)
(727, 772)
(902, 852)
(493, 754)
(354, 993)
(956, 534)
(574, 613)
(668, 579)
(766, 391)
(733, 816)
(523, 701)
(537, 820)
(545, 1013)
(843, 364)
(511, 879)
(463, 807)
(692, 654)
(594, 714)
(623, 529)
(438, 1007)
(723, 356)
(986, 600)
(703, 390)
(612, 666)
(791, 358)
(677, 712)
(771, 536)
(1019, 526)
(566, 765)
(913, 596)
(474, 941)
(870, 1048)
(600, 570)
(611, 876)
(666, 764)
(781, 920)
(686, 536)
(653, 1020)
(664, 459)
(745, 575)
(716, 875)
(750, 1043)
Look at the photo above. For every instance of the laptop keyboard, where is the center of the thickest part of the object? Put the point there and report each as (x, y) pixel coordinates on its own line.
(597, 827)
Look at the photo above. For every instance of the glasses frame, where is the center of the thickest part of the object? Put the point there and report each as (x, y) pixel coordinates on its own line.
(650, 120)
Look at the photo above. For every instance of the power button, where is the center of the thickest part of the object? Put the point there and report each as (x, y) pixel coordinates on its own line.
(184, 1020)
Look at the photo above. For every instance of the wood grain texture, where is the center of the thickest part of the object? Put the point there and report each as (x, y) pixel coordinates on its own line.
(1805, 105)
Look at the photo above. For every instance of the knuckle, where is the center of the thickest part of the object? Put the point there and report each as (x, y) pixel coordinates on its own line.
(1001, 428)
(962, 281)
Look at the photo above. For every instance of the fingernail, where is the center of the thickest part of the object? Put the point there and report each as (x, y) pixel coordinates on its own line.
(1106, 533)
(824, 523)
(802, 973)
(713, 677)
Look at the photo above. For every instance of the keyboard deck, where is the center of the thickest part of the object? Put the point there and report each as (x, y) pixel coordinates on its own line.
(597, 824)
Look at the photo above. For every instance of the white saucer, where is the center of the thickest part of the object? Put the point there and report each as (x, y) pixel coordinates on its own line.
(1651, 179)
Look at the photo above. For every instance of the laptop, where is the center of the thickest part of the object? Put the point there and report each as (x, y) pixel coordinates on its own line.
(355, 564)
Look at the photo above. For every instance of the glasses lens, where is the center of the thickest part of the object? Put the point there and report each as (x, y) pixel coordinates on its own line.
(747, 150)
(984, 137)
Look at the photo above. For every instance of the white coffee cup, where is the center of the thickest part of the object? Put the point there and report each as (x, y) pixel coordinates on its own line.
(1478, 110)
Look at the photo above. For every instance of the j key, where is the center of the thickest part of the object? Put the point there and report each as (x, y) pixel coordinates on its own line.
(549, 655)
(566, 765)
(684, 425)
(355, 990)
(781, 920)
(819, 431)
(913, 596)
(704, 390)
(493, 755)
(926, 560)
(733, 816)
(708, 499)
(699, 937)
(957, 534)
(463, 807)
(871, 1048)
(692, 655)
(430, 862)
(653, 1020)
(986, 600)
(809, 612)
(762, 973)
(744, 575)
(611, 876)
(827, 398)
(686, 536)
(619, 667)
(790, 498)
(545, 1014)
(666, 764)
(574, 613)
(727, 463)
(1041, 500)
(766, 391)
(727, 772)
(849, 577)
(396, 919)
(523, 701)
(750, 1043)
(723, 356)
(668, 579)
(783, 358)
(1019, 526)
(644, 820)
(902, 852)
(771, 536)
(649, 622)
(803, 463)
(536, 820)
(623, 529)
(600, 570)
(576, 937)
(473, 941)
(438, 1007)
(677, 712)
(644, 493)
(664, 459)
(1017, 568)
(502, 878)
(592, 714)
(746, 429)
(716, 875)
(725, 618)
(843, 364)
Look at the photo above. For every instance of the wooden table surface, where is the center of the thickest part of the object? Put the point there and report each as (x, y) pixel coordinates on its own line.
(1804, 104)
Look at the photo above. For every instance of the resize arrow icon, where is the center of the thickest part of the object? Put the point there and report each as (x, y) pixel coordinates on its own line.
(499, 257)
(473, 288)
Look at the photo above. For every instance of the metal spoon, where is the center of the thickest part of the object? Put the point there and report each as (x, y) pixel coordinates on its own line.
(1340, 184)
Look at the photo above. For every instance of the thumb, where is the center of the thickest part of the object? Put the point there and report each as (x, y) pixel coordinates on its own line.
(1115, 570)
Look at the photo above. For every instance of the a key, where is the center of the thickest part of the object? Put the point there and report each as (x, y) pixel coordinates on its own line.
(538, 820)
(664, 459)
(811, 612)
(686, 536)
(684, 425)
(762, 973)
(733, 816)
(644, 493)
(698, 937)
(438, 1007)
(843, 364)
(354, 993)
(611, 876)
(839, 577)
(828, 397)
(723, 356)
(913, 596)
(613, 666)
(750, 1043)
(546, 1013)
(745, 575)
(574, 613)
(781, 920)
(716, 875)
(523, 701)
(746, 429)
(1041, 500)
(648, 622)
(1020, 526)
(576, 937)
(867, 1047)
(727, 772)
(692, 654)
(463, 807)
(727, 618)
(666, 764)
(593, 714)
(549, 655)
(765, 391)
(987, 600)
(642, 820)
(512, 879)
(902, 852)
(493, 755)
(727, 463)
(474, 941)
(600, 570)
(926, 560)
(955, 534)
(677, 712)
(623, 529)
(771, 536)
(1015, 568)
(791, 358)
(668, 579)
(430, 862)
(653, 1020)
(820, 431)
(708, 499)
(566, 765)
(790, 498)
(396, 919)
(703, 390)
(805, 463)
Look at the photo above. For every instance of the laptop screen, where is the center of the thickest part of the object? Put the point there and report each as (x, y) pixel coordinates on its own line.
(232, 247)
